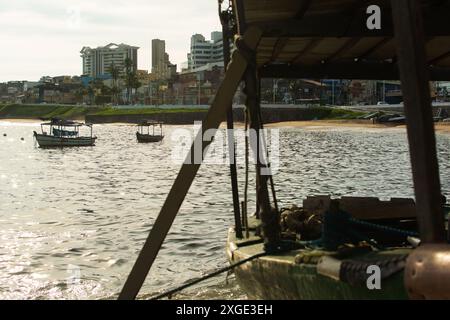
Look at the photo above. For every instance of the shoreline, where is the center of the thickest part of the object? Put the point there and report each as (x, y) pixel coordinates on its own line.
(440, 127)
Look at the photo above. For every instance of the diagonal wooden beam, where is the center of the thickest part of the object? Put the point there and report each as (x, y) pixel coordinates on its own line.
(410, 39)
(373, 49)
(278, 48)
(343, 49)
(310, 46)
(439, 58)
(188, 171)
(239, 11)
(304, 6)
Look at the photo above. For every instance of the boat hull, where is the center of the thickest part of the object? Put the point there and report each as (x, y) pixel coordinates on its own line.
(48, 141)
(145, 138)
(278, 277)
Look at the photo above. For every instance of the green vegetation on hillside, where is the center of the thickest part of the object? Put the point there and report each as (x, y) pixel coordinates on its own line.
(44, 111)
(16, 111)
(337, 113)
(128, 111)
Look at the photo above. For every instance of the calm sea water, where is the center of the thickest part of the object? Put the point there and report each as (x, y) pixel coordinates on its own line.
(72, 221)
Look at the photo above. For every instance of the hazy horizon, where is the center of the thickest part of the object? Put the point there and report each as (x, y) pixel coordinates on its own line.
(45, 38)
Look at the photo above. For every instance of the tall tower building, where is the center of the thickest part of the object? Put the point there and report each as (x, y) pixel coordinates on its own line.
(158, 57)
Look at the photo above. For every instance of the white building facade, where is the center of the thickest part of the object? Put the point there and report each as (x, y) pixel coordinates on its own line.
(98, 61)
(204, 52)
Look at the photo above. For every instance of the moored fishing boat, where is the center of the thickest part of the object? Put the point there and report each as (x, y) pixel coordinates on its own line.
(64, 133)
(144, 137)
(332, 262)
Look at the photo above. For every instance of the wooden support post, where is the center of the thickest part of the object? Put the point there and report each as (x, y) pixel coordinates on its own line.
(414, 75)
(238, 7)
(269, 218)
(230, 130)
(188, 171)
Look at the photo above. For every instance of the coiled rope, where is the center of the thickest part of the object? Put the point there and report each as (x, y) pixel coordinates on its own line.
(338, 228)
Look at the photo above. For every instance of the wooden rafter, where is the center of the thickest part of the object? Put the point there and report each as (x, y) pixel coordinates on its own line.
(304, 6)
(345, 70)
(439, 58)
(373, 49)
(278, 48)
(343, 49)
(337, 25)
(311, 45)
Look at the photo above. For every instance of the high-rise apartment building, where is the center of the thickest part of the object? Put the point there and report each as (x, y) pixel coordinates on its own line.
(158, 57)
(204, 51)
(97, 62)
(161, 66)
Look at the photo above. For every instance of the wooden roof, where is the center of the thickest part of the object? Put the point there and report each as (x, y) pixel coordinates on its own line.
(327, 38)
(64, 123)
(144, 123)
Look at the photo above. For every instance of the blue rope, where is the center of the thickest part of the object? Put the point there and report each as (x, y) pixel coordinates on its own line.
(312, 243)
(387, 229)
(337, 229)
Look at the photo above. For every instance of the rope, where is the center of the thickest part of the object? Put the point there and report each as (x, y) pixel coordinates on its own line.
(211, 275)
(244, 209)
(387, 229)
(337, 229)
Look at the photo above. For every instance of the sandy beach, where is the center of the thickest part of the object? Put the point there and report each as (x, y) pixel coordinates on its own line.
(21, 120)
(442, 127)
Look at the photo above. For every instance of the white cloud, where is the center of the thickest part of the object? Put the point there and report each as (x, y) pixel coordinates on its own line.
(44, 37)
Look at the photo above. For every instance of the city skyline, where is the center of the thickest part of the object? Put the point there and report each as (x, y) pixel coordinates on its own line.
(45, 38)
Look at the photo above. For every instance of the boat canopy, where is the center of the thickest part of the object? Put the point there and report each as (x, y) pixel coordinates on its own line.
(65, 123)
(331, 39)
(146, 123)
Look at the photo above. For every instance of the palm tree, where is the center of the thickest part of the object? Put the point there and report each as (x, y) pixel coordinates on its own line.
(135, 83)
(128, 77)
(80, 94)
(115, 73)
(294, 89)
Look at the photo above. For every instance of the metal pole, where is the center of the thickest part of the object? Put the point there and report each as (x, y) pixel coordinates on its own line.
(230, 129)
(332, 92)
(414, 75)
(269, 218)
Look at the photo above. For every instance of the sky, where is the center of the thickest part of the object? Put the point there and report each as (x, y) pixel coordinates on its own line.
(44, 37)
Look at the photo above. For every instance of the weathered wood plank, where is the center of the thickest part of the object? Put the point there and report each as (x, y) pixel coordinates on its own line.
(414, 75)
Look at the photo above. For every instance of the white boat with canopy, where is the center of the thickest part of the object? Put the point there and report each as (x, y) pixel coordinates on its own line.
(64, 133)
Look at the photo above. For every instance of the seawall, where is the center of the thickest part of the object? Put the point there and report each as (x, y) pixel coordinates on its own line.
(269, 115)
